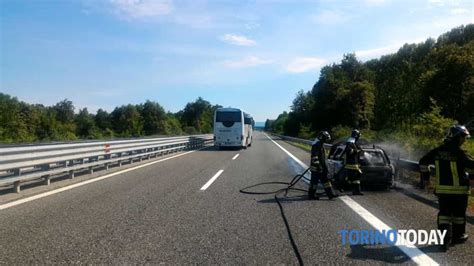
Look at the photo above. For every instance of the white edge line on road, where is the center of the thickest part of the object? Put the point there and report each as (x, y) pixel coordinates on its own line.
(235, 157)
(411, 251)
(307, 175)
(49, 193)
(212, 179)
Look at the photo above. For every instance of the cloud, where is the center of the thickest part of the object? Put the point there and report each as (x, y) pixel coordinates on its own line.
(330, 17)
(249, 61)
(304, 64)
(377, 52)
(459, 11)
(384, 50)
(375, 2)
(142, 8)
(238, 40)
(441, 3)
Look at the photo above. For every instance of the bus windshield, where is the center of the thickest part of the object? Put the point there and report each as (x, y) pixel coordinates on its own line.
(228, 117)
(248, 120)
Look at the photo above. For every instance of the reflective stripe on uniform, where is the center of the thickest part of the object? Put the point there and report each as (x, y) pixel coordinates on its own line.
(440, 189)
(352, 166)
(455, 188)
(444, 219)
(454, 173)
(459, 220)
(356, 182)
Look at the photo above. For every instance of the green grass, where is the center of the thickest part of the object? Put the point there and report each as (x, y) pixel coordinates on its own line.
(300, 145)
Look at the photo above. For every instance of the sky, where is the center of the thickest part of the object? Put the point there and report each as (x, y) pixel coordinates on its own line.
(254, 55)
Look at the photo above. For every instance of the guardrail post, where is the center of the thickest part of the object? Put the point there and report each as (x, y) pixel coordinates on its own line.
(120, 161)
(91, 170)
(71, 174)
(16, 186)
(47, 178)
(16, 172)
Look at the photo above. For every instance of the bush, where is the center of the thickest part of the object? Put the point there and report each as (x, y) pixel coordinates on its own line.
(431, 128)
(190, 130)
(469, 146)
(340, 132)
(305, 132)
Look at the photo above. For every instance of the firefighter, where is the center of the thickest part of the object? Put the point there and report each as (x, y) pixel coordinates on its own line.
(452, 186)
(351, 162)
(319, 170)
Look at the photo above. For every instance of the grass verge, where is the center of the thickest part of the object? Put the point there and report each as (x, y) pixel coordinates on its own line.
(300, 145)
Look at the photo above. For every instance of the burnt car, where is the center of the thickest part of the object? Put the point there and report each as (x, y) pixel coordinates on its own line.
(377, 170)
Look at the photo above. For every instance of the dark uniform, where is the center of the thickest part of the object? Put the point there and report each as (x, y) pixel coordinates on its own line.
(319, 170)
(351, 163)
(452, 187)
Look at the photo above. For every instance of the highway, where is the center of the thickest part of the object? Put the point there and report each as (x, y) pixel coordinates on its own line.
(188, 209)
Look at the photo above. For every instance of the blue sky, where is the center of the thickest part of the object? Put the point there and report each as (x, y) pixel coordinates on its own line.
(254, 55)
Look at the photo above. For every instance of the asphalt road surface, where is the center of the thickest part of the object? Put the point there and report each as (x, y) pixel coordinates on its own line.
(188, 209)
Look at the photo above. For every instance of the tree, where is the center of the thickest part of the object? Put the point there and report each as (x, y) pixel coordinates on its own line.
(126, 121)
(102, 120)
(12, 122)
(85, 126)
(154, 118)
(198, 115)
(451, 82)
(64, 111)
(173, 126)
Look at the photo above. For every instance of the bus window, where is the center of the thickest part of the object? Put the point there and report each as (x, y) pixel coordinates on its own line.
(228, 117)
(248, 120)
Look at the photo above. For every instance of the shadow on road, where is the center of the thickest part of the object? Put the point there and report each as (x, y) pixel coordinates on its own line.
(389, 254)
(295, 198)
(429, 202)
(222, 149)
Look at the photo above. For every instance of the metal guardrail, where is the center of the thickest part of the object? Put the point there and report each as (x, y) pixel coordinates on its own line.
(401, 163)
(20, 164)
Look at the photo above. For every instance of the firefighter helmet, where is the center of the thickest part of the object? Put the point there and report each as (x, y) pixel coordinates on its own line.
(324, 136)
(457, 131)
(355, 134)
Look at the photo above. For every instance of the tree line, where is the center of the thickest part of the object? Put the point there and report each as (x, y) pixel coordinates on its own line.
(22, 122)
(414, 93)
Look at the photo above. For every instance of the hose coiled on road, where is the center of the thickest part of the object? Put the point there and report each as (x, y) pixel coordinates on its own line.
(289, 186)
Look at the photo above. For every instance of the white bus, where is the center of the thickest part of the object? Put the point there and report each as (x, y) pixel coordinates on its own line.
(249, 124)
(230, 129)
